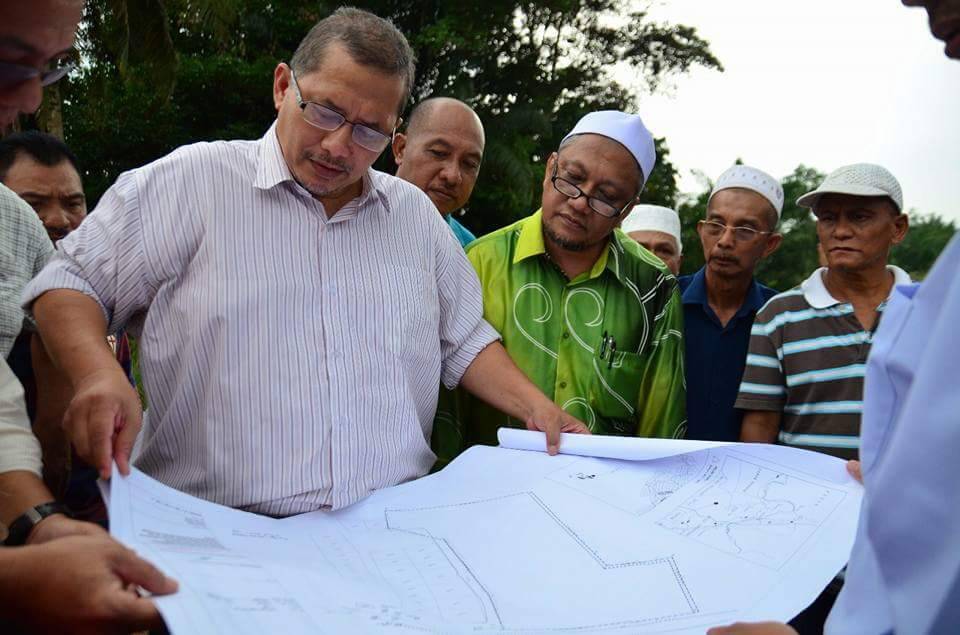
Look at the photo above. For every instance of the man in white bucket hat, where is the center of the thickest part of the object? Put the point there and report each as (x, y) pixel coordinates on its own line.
(803, 383)
(658, 229)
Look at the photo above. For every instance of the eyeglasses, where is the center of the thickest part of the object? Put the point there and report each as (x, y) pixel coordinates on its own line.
(320, 116)
(571, 190)
(13, 74)
(741, 233)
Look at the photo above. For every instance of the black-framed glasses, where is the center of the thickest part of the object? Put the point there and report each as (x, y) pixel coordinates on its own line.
(598, 205)
(13, 74)
(741, 233)
(326, 118)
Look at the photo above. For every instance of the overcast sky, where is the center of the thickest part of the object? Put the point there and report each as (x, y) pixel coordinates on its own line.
(818, 82)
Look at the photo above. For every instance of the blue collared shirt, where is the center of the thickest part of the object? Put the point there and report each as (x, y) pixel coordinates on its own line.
(715, 357)
(904, 571)
(464, 235)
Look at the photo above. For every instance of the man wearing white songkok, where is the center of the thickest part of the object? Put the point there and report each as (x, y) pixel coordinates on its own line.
(658, 229)
(721, 300)
(591, 317)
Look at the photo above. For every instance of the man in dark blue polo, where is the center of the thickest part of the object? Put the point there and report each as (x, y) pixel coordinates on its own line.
(721, 300)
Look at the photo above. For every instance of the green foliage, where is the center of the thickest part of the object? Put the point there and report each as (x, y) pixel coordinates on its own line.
(797, 256)
(927, 237)
(159, 74)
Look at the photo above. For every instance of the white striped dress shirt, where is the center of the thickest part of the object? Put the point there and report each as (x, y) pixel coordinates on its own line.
(291, 361)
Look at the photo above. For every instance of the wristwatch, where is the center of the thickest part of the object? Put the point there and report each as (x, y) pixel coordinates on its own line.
(20, 528)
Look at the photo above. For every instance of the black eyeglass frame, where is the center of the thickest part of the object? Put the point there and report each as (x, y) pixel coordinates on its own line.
(612, 212)
(383, 139)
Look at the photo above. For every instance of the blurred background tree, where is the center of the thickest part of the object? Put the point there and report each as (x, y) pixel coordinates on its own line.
(157, 74)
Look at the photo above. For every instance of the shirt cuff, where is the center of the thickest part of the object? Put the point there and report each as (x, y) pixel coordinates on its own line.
(58, 275)
(456, 364)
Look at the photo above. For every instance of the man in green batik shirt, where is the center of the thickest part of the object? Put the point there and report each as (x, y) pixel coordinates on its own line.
(591, 317)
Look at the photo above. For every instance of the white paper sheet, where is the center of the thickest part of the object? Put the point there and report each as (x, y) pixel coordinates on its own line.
(507, 540)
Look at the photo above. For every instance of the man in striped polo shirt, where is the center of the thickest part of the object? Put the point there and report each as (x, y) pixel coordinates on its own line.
(803, 383)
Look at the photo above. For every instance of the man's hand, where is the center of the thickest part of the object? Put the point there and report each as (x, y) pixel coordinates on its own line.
(853, 468)
(79, 585)
(753, 628)
(549, 418)
(103, 420)
(58, 526)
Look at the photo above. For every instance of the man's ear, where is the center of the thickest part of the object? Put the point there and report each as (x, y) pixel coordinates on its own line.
(901, 224)
(548, 171)
(773, 243)
(281, 84)
(399, 145)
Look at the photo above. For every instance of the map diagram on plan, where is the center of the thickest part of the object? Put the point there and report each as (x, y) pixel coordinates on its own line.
(632, 486)
(511, 541)
(753, 512)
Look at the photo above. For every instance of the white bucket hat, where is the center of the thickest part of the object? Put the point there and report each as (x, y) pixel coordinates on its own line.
(859, 179)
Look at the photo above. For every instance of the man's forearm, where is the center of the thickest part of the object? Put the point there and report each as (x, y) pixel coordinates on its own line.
(74, 332)
(496, 379)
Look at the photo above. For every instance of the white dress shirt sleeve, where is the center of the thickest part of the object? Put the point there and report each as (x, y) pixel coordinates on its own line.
(463, 331)
(104, 258)
(19, 449)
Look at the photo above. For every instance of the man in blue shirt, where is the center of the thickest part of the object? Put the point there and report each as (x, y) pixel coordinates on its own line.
(441, 153)
(721, 300)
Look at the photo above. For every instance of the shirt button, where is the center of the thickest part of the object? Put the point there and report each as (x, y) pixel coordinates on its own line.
(566, 335)
(563, 384)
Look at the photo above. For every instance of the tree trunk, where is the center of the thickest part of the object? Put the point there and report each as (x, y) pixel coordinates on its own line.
(50, 115)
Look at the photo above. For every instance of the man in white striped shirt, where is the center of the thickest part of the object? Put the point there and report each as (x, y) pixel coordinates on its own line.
(297, 308)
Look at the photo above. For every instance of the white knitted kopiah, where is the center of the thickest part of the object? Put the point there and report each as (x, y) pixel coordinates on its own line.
(653, 218)
(859, 179)
(749, 178)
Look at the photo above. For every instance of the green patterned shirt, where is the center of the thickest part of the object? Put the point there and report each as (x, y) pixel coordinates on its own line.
(553, 330)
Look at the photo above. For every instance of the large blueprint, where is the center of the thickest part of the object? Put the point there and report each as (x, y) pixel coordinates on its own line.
(510, 540)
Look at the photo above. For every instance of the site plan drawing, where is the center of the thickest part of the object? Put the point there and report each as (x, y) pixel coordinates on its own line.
(670, 537)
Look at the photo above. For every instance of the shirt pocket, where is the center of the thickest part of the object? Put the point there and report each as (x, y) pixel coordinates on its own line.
(613, 392)
(394, 310)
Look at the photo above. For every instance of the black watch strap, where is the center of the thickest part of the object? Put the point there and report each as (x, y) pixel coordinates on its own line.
(20, 528)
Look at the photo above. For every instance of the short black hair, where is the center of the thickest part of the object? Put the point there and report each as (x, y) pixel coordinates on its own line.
(370, 40)
(42, 147)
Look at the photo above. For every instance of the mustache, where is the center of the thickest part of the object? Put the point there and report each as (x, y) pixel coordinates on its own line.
(329, 160)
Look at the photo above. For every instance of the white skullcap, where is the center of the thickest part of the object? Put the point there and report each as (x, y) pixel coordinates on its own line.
(627, 130)
(653, 218)
(859, 179)
(751, 179)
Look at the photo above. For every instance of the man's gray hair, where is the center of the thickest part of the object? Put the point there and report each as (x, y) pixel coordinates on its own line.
(370, 40)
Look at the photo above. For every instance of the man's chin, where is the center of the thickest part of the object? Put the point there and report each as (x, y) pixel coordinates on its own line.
(563, 240)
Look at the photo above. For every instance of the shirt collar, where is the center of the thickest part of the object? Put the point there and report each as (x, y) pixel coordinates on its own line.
(816, 294)
(696, 293)
(530, 243)
(271, 167)
(272, 170)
